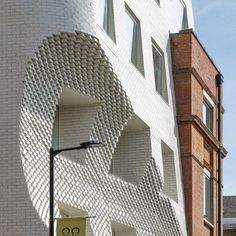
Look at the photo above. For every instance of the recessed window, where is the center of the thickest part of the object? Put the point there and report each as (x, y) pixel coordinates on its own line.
(106, 17)
(159, 71)
(134, 40)
(170, 186)
(207, 195)
(182, 15)
(207, 113)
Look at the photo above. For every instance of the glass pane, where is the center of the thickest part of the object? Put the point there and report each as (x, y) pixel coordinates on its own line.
(106, 17)
(180, 12)
(157, 64)
(132, 37)
(101, 11)
(134, 58)
(204, 113)
(134, 40)
(207, 115)
(207, 198)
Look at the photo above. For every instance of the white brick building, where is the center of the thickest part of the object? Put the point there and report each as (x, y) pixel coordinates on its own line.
(92, 80)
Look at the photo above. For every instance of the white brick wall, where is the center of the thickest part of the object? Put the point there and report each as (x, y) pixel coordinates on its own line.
(131, 156)
(26, 125)
(75, 124)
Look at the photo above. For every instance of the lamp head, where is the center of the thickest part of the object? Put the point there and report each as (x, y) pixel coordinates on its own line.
(91, 144)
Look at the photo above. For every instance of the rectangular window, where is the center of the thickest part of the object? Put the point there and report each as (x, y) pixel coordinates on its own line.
(207, 114)
(170, 186)
(182, 15)
(159, 71)
(207, 195)
(134, 40)
(106, 17)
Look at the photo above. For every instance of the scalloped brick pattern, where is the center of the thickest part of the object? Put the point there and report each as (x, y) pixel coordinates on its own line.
(76, 60)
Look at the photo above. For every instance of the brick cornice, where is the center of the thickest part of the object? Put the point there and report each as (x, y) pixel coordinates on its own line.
(207, 134)
(190, 155)
(191, 31)
(193, 71)
(196, 121)
(196, 159)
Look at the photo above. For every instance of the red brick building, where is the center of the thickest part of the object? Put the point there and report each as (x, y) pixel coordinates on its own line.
(198, 86)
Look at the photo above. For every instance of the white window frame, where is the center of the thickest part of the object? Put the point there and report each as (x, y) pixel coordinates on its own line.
(207, 215)
(207, 105)
(162, 89)
(106, 20)
(136, 53)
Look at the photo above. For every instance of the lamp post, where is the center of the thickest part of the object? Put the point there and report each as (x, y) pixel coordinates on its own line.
(53, 153)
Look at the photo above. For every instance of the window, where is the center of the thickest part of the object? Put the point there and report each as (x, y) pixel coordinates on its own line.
(158, 2)
(182, 15)
(134, 40)
(159, 71)
(185, 18)
(170, 186)
(106, 17)
(207, 195)
(207, 116)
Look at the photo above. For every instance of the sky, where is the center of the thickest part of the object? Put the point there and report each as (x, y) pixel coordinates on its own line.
(215, 26)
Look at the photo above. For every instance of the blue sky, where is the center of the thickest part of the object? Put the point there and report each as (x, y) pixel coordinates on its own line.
(215, 26)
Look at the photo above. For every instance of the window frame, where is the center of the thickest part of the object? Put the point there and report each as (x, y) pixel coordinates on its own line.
(136, 50)
(170, 187)
(207, 111)
(106, 20)
(163, 90)
(207, 198)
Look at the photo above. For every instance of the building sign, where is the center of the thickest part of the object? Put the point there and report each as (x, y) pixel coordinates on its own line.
(74, 226)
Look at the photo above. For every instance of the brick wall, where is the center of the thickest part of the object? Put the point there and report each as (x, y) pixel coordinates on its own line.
(195, 72)
(131, 155)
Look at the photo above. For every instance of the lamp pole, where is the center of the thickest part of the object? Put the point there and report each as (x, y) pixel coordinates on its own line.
(53, 153)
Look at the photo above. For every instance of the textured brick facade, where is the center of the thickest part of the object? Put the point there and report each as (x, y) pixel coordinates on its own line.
(194, 74)
(49, 45)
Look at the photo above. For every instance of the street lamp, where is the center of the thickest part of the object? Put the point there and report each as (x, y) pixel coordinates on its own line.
(53, 153)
